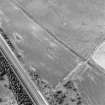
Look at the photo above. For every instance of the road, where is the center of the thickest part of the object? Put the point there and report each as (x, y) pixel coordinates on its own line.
(23, 76)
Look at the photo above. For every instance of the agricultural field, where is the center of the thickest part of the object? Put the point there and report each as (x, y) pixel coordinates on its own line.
(60, 44)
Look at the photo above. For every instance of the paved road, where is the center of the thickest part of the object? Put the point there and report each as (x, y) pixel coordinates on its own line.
(37, 46)
(59, 35)
(23, 76)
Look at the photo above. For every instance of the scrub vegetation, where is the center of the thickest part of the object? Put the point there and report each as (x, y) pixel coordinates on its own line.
(65, 93)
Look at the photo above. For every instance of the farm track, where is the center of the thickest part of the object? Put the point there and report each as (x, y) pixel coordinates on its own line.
(28, 93)
(83, 59)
